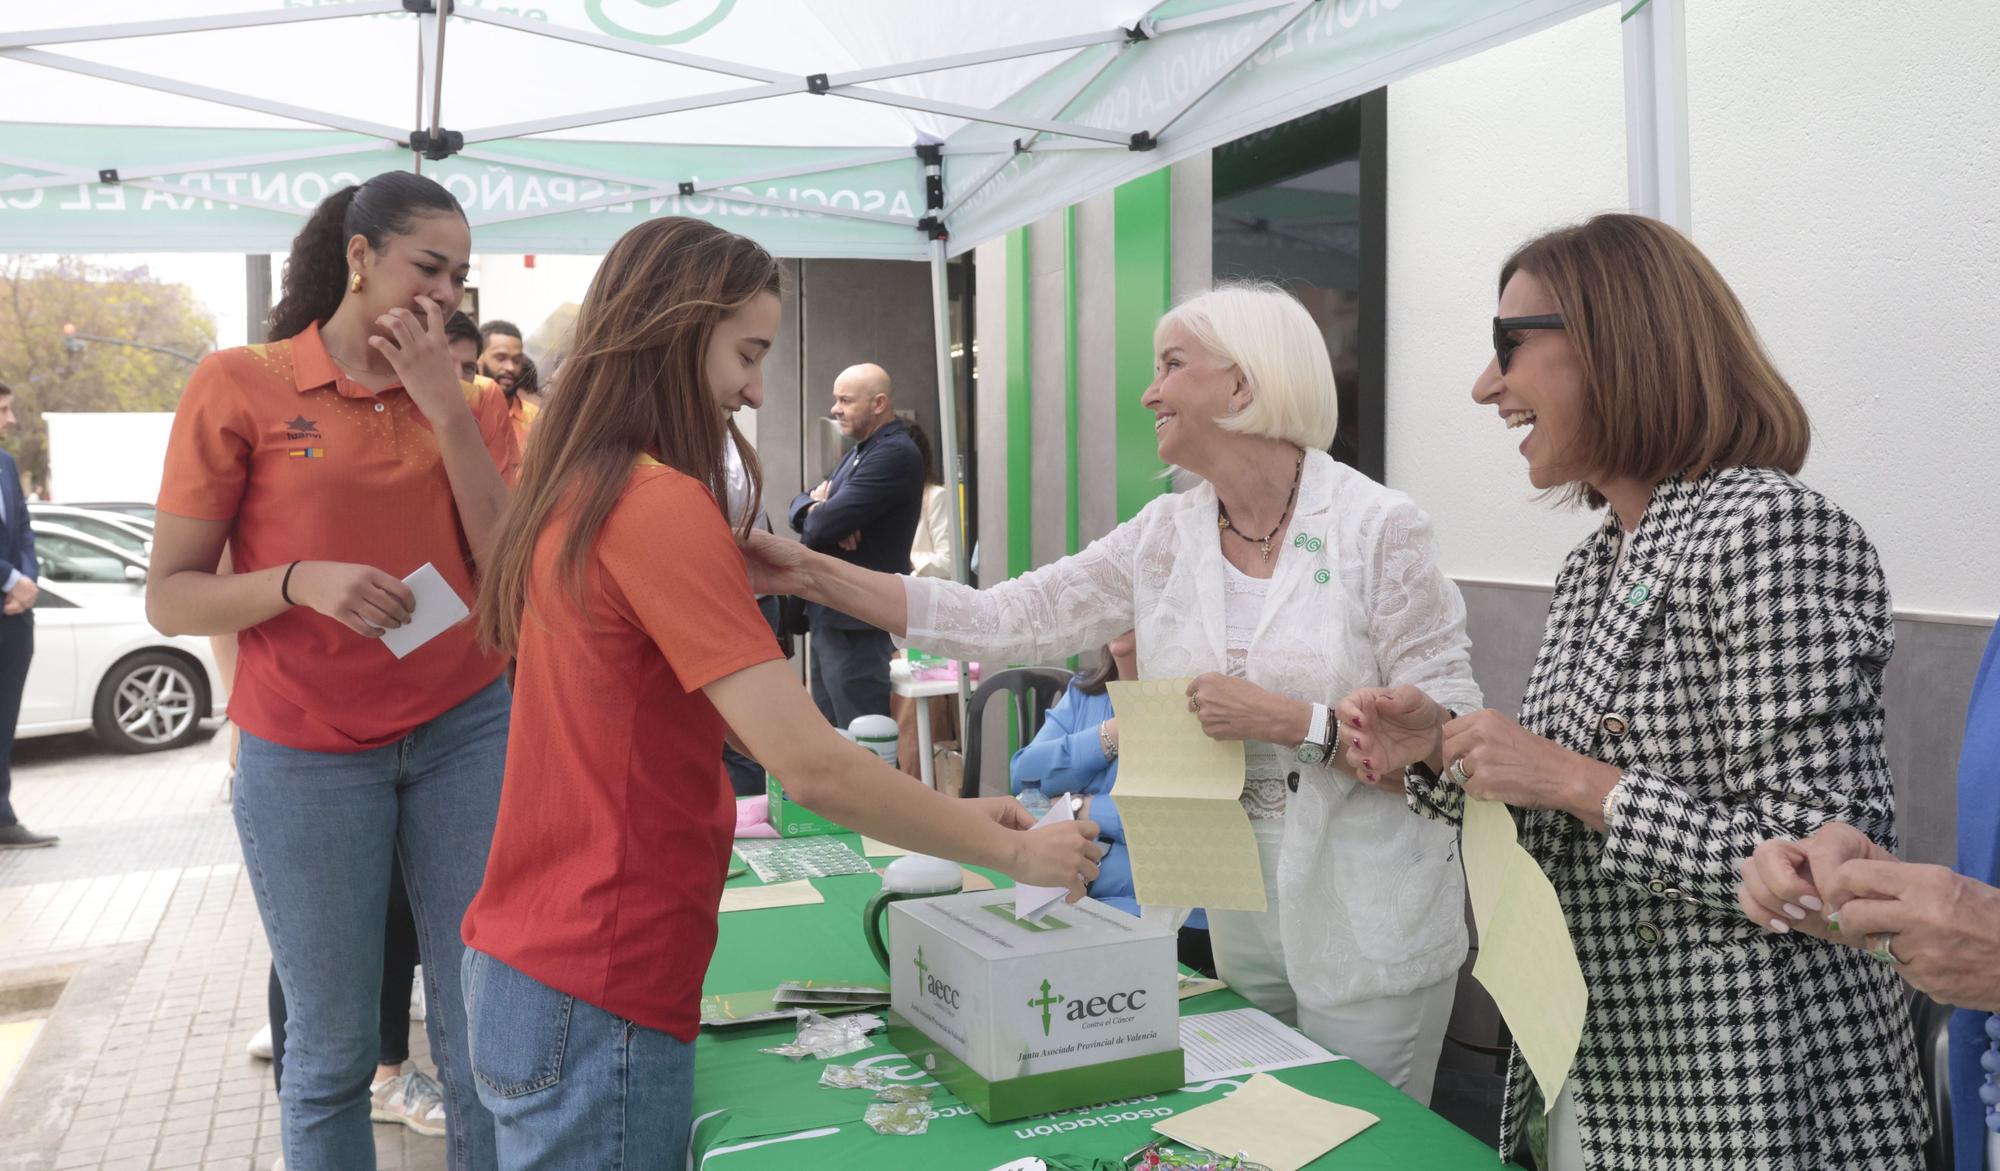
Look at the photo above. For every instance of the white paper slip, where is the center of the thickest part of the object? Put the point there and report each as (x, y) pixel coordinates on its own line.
(438, 609)
(1244, 1041)
(1032, 902)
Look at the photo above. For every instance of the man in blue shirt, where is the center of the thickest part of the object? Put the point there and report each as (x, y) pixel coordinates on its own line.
(866, 513)
(17, 626)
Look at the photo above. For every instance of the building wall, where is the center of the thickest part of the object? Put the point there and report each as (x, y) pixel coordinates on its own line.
(1842, 180)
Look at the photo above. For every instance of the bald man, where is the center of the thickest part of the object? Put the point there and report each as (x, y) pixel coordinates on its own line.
(866, 513)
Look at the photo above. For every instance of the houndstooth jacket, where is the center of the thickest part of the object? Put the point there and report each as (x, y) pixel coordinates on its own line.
(1732, 668)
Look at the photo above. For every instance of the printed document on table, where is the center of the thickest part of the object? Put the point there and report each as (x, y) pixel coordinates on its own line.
(1189, 840)
(438, 609)
(1527, 961)
(1243, 1041)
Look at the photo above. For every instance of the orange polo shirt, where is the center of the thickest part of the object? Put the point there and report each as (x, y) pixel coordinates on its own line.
(522, 413)
(307, 465)
(607, 864)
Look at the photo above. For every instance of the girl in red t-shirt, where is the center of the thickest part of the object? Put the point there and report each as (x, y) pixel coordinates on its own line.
(617, 582)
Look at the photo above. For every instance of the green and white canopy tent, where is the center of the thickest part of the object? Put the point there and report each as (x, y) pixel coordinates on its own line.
(891, 129)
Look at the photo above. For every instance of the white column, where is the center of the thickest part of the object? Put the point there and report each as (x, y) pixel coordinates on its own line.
(1656, 121)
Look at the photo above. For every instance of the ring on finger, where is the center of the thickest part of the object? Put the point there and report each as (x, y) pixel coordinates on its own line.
(1883, 951)
(1458, 774)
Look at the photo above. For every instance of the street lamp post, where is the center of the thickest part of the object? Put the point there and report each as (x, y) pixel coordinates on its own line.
(73, 343)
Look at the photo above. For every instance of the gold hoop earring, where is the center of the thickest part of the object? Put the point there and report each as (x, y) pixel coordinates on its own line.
(354, 282)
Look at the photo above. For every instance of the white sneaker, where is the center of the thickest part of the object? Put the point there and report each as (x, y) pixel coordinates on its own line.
(413, 1099)
(260, 1045)
(418, 1006)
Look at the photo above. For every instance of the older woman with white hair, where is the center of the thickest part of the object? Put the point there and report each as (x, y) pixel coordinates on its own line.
(1281, 582)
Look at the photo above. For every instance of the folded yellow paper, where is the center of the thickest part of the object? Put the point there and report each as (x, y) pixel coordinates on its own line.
(777, 894)
(1527, 961)
(1189, 841)
(1269, 1121)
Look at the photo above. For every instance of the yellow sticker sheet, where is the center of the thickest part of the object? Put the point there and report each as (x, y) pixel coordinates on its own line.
(1189, 841)
(777, 894)
(1527, 961)
(1274, 1124)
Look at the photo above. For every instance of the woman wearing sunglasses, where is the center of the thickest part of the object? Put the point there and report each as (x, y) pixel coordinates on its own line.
(1710, 677)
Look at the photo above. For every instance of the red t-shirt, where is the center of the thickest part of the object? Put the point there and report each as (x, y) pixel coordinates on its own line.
(307, 464)
(606, 870)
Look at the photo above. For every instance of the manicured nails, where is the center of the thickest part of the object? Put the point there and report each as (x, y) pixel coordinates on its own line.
(1781, 927)
(1811, 903)
(1794, 911)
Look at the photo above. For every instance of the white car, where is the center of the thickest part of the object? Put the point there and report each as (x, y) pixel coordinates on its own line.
(99, 666)
(133, 535)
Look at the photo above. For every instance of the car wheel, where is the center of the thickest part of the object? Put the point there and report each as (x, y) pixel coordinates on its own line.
(150, 702)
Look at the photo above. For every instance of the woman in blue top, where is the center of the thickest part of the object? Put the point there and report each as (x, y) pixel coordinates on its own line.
(1076, 751)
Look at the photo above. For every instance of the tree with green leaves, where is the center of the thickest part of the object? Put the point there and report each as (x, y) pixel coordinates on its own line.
(52, 371)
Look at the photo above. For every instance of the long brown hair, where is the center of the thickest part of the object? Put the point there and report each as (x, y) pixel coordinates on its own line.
(632, 385)
(1674, 377)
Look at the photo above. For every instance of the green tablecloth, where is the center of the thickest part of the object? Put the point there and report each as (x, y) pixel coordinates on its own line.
(759, 1112)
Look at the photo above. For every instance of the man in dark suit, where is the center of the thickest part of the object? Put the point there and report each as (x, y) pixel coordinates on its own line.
(17, 625)
(866, 513)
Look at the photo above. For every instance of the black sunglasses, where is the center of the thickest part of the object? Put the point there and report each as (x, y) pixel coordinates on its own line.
(1504, 346)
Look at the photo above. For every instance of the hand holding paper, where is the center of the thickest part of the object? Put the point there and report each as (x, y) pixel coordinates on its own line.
(1032, 902)
(1190, 842)
(438, 609)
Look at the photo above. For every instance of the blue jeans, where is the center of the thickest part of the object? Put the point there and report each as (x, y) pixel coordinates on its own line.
(571, 1085)
(319, 831)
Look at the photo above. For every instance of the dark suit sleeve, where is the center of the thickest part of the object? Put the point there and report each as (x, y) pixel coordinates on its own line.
(19, 554)
(881, 483)
(31, 567)
(797, 512)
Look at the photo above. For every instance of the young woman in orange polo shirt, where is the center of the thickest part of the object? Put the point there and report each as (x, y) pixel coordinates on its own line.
(335, 461)
(617, 581)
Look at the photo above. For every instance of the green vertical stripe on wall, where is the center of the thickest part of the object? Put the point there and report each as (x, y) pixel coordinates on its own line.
(1020, 417)
(1074, 512)
(1142, 276)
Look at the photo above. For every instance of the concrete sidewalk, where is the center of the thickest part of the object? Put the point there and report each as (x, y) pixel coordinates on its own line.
(133, 968)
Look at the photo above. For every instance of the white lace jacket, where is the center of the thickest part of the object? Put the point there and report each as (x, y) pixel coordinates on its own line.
(1371, 899)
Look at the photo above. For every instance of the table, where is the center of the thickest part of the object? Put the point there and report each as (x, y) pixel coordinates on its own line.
(758, 1112)
(922, 691)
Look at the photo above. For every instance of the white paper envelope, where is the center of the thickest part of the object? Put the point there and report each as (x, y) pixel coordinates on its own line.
(1032, 902)
(438, 609)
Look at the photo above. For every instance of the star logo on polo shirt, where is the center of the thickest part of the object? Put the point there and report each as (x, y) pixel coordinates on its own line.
(302, 423)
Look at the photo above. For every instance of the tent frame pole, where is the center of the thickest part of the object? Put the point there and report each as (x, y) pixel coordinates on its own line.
(948, 450)
(204, 93)
(193, 24)
(69, 175)
(604, 117)
(1024, 146)
(1656, 118)
(895, 155)
(1229, 68)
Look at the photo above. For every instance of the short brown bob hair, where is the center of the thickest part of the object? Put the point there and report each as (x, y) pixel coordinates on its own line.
(1674, 378)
